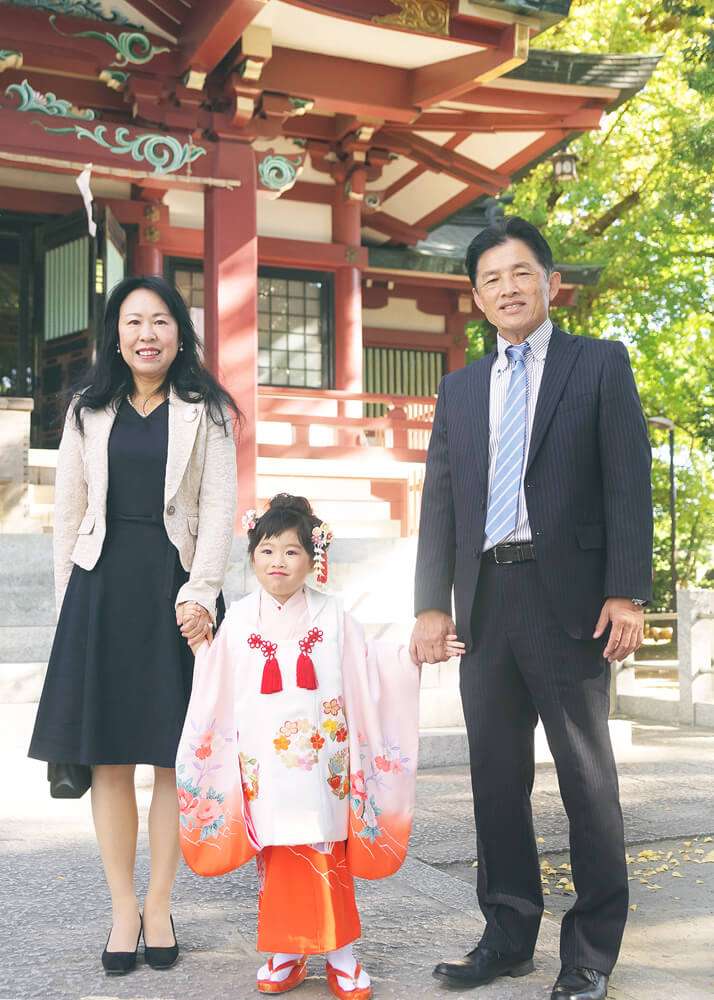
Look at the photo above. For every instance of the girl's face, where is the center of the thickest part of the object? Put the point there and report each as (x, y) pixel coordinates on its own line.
(148, 334)
(282, 565)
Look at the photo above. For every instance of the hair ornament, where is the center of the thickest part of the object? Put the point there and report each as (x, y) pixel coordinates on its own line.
(249, 519)
(321, 538)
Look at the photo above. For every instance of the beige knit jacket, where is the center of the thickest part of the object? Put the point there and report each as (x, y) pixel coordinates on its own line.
(199, 497)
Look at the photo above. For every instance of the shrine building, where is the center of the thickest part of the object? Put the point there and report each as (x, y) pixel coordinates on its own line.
(309, 174)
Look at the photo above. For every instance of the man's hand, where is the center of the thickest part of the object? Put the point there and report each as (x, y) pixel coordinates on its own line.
(428, 643)
(626, 634)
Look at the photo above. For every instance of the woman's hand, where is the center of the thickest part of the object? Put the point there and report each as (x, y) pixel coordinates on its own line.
(195, 623)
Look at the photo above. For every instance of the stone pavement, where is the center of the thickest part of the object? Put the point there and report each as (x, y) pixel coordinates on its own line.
(55, 913)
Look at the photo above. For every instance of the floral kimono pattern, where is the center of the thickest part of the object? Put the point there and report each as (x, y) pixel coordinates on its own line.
(370, 734)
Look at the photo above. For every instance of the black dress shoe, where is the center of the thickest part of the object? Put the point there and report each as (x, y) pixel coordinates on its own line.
(118, 963)
(162, 958)
(481, 966)
(579, 984)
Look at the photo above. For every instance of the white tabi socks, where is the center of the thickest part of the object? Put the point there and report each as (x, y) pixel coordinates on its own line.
(278, 959)
(344, 960)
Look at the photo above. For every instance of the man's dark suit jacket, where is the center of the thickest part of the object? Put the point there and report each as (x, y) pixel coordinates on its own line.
(587, 486)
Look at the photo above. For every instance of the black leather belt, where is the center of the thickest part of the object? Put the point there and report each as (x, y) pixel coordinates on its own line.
(516, 552)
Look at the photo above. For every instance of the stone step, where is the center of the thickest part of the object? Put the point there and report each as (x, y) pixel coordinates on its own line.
(316, 488)
(25, 645)
(447, 746)
(372, 465)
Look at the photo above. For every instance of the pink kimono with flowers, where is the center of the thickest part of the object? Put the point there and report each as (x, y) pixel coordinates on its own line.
(298, 766)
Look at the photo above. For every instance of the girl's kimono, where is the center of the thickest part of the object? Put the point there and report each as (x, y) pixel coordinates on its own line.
(300, 747)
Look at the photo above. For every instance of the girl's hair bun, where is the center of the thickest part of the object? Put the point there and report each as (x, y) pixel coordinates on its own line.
(285, 501)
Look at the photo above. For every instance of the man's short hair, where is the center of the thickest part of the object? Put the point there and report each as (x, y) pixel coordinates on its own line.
(510, 228)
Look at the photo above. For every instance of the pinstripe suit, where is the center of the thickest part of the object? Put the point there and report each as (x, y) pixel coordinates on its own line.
(528, 626)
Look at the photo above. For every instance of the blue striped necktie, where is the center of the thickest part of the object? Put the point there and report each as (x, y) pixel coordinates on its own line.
(503, 500)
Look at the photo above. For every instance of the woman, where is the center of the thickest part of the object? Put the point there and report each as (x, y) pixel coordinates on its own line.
(144, 511)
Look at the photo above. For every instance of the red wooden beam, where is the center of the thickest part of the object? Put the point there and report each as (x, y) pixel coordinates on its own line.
(476, 121)
(26, 134)
(443, 80)
(303, 253)
(516, 163)
(212, 29)
(395, 229)
(81, 93)
(56, 46)
(444, 160)
(523, 100)
(341, 86)
(410, 339)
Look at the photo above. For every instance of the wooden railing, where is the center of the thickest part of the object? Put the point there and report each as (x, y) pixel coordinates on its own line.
(402, 433)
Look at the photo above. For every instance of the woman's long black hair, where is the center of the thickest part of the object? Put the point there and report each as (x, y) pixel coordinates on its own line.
(109, 380)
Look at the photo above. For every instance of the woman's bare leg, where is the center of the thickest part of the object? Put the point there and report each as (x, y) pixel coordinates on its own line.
(116, 822)
(165, 854)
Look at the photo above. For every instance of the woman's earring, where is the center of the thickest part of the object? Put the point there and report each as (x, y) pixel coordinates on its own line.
(180, 347)
(118, 348)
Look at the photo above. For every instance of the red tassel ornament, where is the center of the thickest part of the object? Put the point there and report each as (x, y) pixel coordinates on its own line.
(272, 681)
(306, 677)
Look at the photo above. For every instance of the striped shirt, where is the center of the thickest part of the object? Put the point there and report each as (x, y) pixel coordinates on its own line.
(500, 377)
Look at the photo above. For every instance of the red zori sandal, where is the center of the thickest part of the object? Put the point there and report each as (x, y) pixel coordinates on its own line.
(356, 993)
(298, 972)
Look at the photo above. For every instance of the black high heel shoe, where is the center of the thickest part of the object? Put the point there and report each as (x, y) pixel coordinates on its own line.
(118, 963)
(162, 958)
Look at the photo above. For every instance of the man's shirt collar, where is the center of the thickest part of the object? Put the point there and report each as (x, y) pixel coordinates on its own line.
(537, 341)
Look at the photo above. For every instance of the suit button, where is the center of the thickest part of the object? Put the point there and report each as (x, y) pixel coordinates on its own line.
(530, 485)
(171, 509)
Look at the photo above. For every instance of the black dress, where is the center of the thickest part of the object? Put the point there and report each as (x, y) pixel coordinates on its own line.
(120, 673)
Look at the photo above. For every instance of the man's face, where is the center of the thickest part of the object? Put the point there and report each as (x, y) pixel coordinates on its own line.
(513, 290)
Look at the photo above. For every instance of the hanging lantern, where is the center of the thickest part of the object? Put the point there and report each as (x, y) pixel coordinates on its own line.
(564, 166)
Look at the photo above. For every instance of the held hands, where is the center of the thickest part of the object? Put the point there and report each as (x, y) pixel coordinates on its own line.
(626, 634)
(195, 624)
(434, 638)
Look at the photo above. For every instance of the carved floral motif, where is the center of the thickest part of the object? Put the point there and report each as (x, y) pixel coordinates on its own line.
(131, 47)
(47, 104)
(431, 16)
(164, 153)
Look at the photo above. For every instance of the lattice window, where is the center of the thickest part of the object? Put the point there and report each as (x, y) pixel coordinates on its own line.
(293, 329)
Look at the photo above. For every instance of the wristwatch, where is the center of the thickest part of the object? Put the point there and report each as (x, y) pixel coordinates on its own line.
(639, 602)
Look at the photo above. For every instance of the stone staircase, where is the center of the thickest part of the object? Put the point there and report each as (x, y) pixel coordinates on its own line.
(366, 501)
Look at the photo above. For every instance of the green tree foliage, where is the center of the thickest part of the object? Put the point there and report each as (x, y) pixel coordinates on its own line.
(642, 209)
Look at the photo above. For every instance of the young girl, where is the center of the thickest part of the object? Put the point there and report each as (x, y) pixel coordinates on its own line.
(299, 747)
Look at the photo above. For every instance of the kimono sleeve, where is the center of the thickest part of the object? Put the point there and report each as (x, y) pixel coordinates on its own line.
(216, 832)
(381, 687)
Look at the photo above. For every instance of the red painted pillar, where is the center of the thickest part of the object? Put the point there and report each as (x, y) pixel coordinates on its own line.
(457, 340)
(346, 229)
(148, 259)
(231, 305)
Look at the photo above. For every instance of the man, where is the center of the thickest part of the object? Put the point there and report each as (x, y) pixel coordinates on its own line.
(537, 512)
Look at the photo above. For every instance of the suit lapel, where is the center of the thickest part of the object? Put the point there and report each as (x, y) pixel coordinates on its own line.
(184, 419)
(480, 391)
(562, 353)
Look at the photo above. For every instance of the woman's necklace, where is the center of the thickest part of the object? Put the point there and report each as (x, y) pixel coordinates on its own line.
(143, 411)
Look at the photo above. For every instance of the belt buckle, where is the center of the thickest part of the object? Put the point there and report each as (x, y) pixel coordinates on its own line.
(500, 562)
